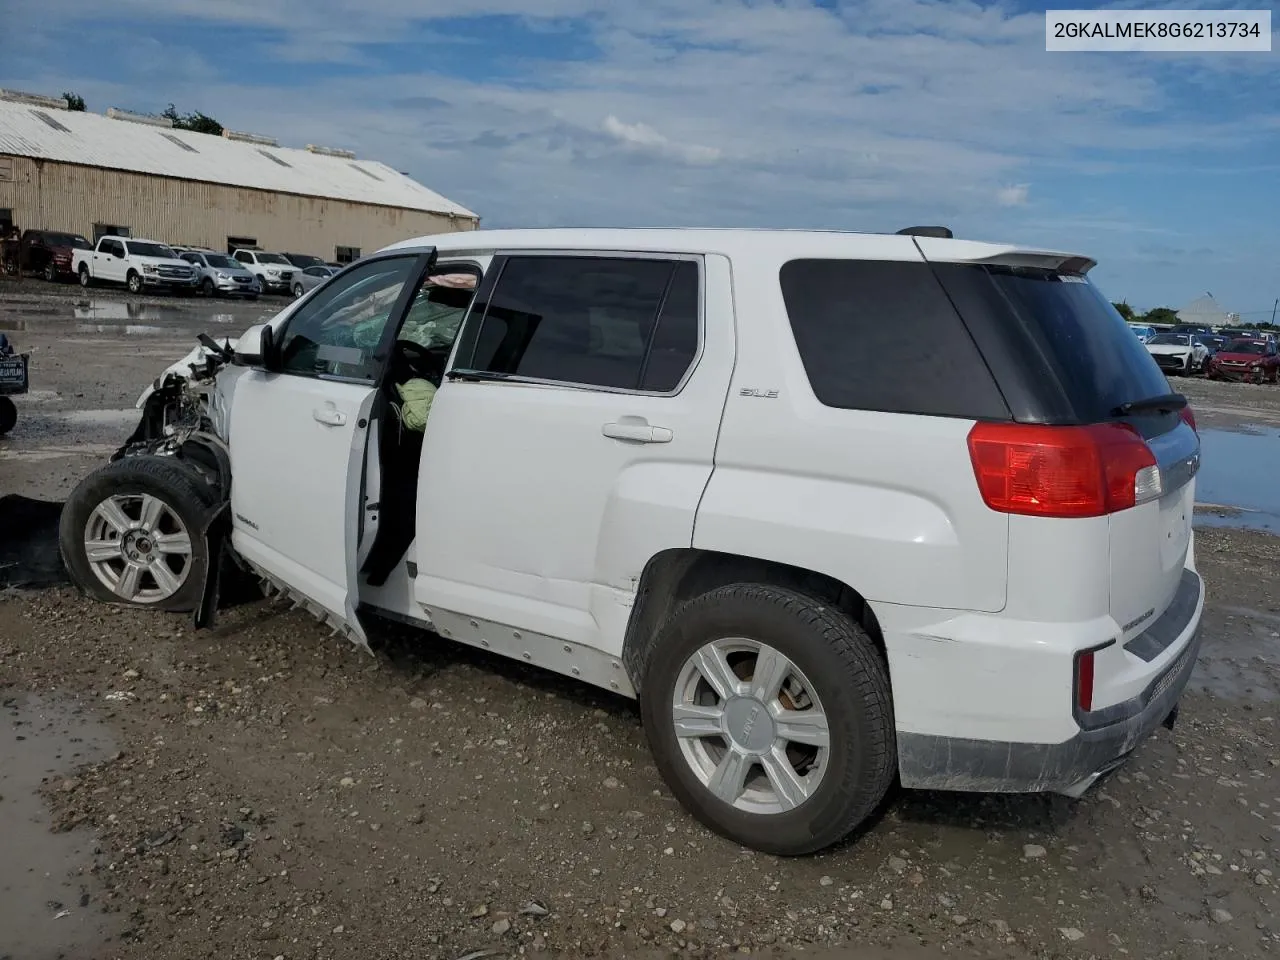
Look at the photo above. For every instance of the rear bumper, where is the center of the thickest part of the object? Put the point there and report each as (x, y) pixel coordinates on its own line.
(1103, 737)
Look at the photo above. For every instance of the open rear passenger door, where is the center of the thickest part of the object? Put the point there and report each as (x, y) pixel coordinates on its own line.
(299, 433)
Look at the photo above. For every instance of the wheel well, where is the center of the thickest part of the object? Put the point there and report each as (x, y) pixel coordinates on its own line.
(674, 576)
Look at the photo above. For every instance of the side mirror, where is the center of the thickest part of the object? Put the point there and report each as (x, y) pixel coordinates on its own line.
(256, 347)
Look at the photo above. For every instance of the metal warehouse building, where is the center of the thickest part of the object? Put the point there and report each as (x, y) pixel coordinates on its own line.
(133, 175)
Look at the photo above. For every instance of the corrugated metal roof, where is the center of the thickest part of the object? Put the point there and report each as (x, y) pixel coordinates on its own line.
(97, 141)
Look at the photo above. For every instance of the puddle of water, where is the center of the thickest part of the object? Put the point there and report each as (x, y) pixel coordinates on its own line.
(126, 310)
(127, 329)
(58, 451)
(47, 907)
(129, 416)
(1241, 469)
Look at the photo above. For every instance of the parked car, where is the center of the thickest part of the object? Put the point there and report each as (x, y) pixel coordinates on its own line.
(50, 252)
(1214, 342)
(303, 260)
(14, 372)
(220, 275)
(312, 277)
(275, 274)
(1252, 359)
(1178, 352)
(136, 263)
(979, 577)
(1142, 331)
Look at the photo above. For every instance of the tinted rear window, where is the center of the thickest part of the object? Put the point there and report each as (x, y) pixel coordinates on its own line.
(1099, 362)
(882, 335)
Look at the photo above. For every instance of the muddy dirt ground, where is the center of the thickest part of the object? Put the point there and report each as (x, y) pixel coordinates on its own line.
(264, 791)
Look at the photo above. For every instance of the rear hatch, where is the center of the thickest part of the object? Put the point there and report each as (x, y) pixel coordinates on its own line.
(1064, 357)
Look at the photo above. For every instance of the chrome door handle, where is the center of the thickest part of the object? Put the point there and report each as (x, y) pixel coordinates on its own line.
(636, 430)
(329, 416)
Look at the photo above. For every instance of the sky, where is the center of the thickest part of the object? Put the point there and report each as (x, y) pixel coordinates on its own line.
(827, 114)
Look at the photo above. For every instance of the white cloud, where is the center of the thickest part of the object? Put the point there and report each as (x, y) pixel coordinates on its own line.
(1014, 195)
(643, 137)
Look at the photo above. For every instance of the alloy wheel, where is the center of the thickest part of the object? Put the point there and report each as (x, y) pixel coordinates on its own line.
(139, 548)
(750, 725)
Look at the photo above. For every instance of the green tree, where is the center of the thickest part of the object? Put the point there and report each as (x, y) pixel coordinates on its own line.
(74, 101)
(1125, 310)
(195, 121)
(1160, 315)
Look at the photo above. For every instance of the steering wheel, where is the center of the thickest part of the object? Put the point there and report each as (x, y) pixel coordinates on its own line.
(424, 362)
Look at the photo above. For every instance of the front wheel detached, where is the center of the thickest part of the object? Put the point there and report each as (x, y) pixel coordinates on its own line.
(130, 534)
(769, 716)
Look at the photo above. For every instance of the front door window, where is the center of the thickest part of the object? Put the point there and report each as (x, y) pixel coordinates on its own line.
(337, 332)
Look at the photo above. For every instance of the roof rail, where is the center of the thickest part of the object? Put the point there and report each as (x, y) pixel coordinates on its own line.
(35, 99)
(331, 152)
(943, 233)
(250, 138)
(115, 113)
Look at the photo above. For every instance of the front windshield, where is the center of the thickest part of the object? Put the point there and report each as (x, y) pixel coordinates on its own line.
(73, 240)
(140, 249)
(273, 258)
(305, 260)
(1246, 346)
(1172, 339)
(219, 262)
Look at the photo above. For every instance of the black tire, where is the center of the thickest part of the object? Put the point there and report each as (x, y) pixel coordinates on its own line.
(8, 415)
(51, 272)
(85, 279)
(298, 291)
(850, 677)
(206, 287)
(134, 281)
(177, 485)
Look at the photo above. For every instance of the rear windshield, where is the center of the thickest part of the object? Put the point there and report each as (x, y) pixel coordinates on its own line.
(1101, 364)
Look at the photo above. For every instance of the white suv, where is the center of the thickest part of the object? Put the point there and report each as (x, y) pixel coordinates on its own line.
(834, 507)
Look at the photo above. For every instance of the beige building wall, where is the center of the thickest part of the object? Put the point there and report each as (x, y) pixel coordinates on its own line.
(44, 194)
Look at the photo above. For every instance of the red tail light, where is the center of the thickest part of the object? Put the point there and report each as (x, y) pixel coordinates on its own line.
(1084, 680)
(1044, 471)
(1188, 417)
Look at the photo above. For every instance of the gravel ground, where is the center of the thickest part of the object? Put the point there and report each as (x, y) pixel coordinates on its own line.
(264, 791)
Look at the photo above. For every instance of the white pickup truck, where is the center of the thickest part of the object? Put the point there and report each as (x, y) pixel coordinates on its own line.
(136, 263)
(275, 274)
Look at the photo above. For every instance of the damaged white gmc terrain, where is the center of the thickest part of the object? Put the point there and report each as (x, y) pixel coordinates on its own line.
(835, 508)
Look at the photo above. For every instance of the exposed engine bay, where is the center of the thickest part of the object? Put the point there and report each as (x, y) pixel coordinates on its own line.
(183, 416)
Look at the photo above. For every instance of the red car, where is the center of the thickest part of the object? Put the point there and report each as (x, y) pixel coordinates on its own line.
(1252, 359)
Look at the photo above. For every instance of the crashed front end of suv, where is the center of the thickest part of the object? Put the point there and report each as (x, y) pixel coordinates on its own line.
(153, 519)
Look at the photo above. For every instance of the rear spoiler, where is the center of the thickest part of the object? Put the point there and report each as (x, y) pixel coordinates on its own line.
(970, 251)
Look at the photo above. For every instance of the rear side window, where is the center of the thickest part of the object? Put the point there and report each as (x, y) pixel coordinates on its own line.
(615, 322)
(882, 335)
(1099, 363)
